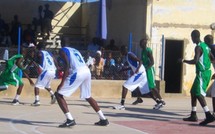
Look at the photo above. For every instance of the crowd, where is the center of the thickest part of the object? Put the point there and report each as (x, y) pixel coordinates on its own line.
(40, 26)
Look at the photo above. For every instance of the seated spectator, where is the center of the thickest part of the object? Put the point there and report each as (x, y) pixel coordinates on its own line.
(112, 46)
(93, 46)
(98, 65)
(28, 36)
(109, 66)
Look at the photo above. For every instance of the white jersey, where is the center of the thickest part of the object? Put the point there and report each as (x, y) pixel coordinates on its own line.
(79, 75)
(134, 64)
(138, 79)
(76, 60)
(47, 61)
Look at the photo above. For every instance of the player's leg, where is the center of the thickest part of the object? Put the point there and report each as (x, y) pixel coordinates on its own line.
(139, 99)
(18, 93)
(64, 107)
(103, 120)
(209, 117)
(37, 97)
(53, 98)
(193, 117)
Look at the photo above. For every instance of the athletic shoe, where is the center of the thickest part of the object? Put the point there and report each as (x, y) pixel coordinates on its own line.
(139, 100)
(102, 123)
(67, 123)
(119, 107)
(209, 118)
(158, 106)
(163, 102)
(36, 103)
(15, 102)
(191, 118)
(53, 99)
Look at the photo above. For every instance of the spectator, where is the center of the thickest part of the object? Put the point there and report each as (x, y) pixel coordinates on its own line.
(109, 66)
(98, 65)
(48, 16)
(40, 21)
(2, 24)
(14, 29)
(118, 66)
(35, 24)
(28, 36)
(112, 46)
(93, 46)
(6, 39)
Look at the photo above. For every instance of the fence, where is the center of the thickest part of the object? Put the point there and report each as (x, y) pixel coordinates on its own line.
(107, 68)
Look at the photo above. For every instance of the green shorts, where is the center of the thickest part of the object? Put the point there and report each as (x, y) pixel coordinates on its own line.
(8, 78)
(150, 73)
(200, 83)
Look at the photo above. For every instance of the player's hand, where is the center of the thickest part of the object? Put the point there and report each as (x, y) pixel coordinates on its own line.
(31, 82)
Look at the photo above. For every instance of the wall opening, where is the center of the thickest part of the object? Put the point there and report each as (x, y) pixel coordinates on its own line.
(173, 69)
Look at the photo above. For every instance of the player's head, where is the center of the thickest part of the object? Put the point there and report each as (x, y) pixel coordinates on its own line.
(208, 39)
(143, 41)
(195, 35)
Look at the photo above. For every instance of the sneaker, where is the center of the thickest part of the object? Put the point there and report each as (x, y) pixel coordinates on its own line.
(119, 107)
(139, 100)
(67, 123)
(163, 102)
(158, 106)
(102, 123)
(15, 102)
(192, 118)
(53, 99)
(36, 103)
(208, 119)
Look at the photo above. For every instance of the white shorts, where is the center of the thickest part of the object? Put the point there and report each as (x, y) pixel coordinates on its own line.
(213, 89)
(44, 79)
(80, 78)
(137, 80)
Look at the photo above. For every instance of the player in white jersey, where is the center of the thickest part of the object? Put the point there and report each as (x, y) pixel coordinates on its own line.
(137, 80)
(47, 70)
(76, 74)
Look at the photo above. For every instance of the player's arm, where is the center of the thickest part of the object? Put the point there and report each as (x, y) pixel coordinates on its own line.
(151, 59)
(198, 53)
(19, 63)
(65, 69)
(137, 60)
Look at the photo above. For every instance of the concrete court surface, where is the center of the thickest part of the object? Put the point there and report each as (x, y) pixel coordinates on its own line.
(138, 119)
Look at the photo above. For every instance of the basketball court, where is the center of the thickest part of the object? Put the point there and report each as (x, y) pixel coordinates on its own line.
(136, 119)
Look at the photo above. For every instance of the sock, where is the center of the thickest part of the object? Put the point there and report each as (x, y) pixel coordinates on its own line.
(123, 101)
(69, 116)
(37, 97)
(206, 109)
(194, 109)
(101, 115)
(51, 92)
(17, 97)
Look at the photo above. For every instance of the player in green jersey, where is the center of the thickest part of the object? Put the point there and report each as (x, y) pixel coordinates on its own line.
(202, 61)
(10, 76)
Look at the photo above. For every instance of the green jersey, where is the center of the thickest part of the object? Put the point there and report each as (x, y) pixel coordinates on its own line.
(10, 75)
(204, 62)
(144, 56)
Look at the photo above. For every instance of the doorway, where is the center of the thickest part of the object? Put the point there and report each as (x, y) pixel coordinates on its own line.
(173, 69)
